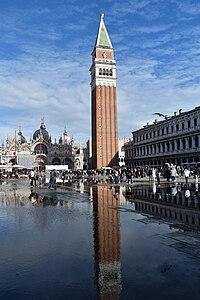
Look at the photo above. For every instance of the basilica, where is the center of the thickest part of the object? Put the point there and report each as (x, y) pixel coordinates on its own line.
(40, 150)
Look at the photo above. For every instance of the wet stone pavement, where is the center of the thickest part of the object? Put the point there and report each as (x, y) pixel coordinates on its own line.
(99, 241)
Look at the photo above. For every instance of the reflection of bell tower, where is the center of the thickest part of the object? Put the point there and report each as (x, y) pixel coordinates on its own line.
(106, 243)
(104, 102)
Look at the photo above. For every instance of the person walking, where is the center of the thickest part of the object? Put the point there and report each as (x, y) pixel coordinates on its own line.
(116, 177)
(154, 174)
(63, 177)
(173, 174)
(51, 180)
(32, 177)
(158, 174)
(54, 180)
(168, 174)
(187, 174)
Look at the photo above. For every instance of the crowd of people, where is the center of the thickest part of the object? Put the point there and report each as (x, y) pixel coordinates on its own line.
(37, 178)
(124, 175)
(110, 175)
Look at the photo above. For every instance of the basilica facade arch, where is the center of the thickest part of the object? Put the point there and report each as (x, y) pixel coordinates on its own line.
(41, 151)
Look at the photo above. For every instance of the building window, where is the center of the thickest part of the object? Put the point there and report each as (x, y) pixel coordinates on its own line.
(195, 122)
(188, 123)
(177, 127)
(183, 125)
(146, 136)
(190, 142)
(196, 141)
(151, 149)
(158, 132)
(173, 146)
(184, 144)
(154, 148)
(162, 131)
(172, 128)
(167, 130)
(167, 146)
(178, 144)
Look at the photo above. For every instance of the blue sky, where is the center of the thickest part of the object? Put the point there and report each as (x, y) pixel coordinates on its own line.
(45, 56)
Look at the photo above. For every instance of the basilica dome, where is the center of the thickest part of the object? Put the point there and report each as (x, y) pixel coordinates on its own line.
(42, 131)
(21, 138)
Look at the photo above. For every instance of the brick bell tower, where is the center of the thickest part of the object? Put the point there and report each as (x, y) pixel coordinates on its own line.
(104, 101)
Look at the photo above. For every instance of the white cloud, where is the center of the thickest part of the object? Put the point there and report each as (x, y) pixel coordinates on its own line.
(46, 72)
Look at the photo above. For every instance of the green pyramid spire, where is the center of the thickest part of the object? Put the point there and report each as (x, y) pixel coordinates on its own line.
(103, 39)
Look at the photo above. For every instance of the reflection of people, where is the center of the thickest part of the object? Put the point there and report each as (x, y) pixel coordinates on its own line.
(33, 197)
(173, 190)
(150, 175)
(154, 187)
(154, 174)
(196, 178)
(187, 193)
(116, 192)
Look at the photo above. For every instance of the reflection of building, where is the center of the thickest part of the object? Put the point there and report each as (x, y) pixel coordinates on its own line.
(106, 243)
(104, 102)
(171, 203)
(11, 195)
(40, 150)
(175, 139)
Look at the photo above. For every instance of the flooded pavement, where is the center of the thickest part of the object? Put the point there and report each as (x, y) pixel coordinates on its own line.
(99, 242)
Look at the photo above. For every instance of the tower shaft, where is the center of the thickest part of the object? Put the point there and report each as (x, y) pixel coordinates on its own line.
(104, 102)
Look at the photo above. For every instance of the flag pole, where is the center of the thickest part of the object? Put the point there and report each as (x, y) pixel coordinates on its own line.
(15, 147)
(40, 145)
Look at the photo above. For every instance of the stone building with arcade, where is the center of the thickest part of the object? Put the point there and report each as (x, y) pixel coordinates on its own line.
(174, 139)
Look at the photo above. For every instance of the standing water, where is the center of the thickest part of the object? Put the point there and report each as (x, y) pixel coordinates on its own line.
(99, 242)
